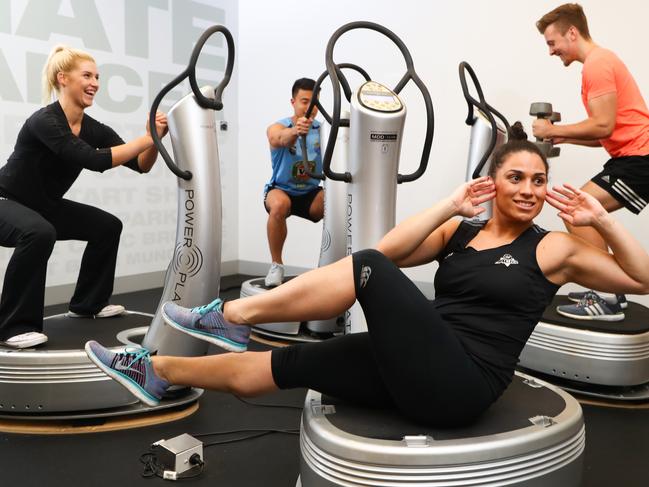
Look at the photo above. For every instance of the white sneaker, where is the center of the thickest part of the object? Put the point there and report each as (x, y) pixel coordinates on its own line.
(105, 312)
(26, 340)
(275, 275)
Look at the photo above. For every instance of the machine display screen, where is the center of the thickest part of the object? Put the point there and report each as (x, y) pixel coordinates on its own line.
(378, 97)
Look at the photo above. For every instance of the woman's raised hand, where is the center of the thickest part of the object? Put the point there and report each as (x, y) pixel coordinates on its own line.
(467, 197)
(575, 206)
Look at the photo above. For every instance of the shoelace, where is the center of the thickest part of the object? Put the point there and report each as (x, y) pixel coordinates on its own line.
(137, 355)
(588, 299)
(206, 308)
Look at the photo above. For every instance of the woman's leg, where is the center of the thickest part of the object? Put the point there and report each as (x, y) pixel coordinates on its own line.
(76, 221)
(419, 356)
(23, 292)
(344, 367)
(244, 374)
(322, 293)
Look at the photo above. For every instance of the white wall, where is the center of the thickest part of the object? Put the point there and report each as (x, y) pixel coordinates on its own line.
(139, 46)
(282, 40)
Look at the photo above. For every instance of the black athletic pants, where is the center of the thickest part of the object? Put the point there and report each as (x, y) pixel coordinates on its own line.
(410, 358)
(33, 236)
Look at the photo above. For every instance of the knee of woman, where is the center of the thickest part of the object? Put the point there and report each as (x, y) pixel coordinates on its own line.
(237, 386)
(242, 385)
(113, 225)
(43, 235)
(369, 254)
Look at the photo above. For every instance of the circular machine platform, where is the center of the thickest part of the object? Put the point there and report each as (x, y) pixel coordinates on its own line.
(533, 436)
(596, 358)
(58, 381)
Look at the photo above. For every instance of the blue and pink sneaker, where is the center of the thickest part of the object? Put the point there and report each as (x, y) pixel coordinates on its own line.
(132, 368)
(207, 323)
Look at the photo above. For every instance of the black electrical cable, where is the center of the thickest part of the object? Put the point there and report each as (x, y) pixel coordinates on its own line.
(257, 433)
(266, 405)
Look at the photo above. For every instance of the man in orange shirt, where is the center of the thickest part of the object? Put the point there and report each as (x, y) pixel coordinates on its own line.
(618, 120)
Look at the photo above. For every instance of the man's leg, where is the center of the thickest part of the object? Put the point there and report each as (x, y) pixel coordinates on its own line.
(612, 310)
(316, 210)
(278, 205)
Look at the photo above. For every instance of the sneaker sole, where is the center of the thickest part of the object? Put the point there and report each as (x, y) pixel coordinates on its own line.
(125, 381)
(24, 345)
(576, 300)
(617, 317)
(224, 343)
(71, 314)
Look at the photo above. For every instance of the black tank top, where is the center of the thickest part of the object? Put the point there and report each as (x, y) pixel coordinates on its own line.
(493, 298)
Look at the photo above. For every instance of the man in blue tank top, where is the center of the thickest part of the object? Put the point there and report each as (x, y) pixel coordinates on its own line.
(290, 190)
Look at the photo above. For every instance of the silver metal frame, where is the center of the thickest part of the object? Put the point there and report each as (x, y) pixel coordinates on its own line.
(590, 357)
(534, 456)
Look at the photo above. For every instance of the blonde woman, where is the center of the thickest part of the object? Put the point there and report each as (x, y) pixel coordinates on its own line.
(54, 145)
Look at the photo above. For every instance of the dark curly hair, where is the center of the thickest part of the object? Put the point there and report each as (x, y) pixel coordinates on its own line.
(517, 143)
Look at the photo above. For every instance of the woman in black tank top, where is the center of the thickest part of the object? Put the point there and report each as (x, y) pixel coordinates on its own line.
(441, 362)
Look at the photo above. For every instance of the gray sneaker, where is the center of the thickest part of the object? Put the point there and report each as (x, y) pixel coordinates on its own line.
(275, 275)
(592, 307)
(579, 295)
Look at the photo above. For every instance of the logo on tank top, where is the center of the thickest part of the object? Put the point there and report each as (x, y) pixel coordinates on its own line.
(507, 260)
(365, 275)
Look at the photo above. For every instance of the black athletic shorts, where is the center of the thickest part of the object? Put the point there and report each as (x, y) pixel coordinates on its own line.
(300, 204)
(627, 180)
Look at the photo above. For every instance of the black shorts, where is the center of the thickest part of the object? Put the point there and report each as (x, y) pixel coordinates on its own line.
(300, 204)
(627, 180)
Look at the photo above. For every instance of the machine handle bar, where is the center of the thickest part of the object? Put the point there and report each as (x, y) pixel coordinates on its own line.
(315, 101)
(410, 74)
(201, 99)
(484, 107)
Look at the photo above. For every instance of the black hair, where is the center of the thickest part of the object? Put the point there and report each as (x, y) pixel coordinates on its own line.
(517, 143)
(302, 84)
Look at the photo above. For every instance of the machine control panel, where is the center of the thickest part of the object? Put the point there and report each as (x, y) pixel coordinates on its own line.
(377, 97)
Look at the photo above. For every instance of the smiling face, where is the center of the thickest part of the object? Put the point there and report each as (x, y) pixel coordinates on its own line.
(80, 84)
(521, 184)
(562, 45)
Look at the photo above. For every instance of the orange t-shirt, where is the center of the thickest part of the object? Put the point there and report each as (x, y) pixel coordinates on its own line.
(605, 73)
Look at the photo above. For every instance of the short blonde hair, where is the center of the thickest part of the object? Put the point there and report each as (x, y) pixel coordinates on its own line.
(61, 59)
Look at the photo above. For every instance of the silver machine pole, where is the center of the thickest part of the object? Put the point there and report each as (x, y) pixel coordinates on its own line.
(334, 223)
(375, 134)
(193, 276)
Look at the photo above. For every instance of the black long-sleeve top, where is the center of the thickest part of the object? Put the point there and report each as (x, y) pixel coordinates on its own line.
(48, 157)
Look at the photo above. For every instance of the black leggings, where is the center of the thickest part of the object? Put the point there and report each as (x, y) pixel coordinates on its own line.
(410, 358)
(33, 236)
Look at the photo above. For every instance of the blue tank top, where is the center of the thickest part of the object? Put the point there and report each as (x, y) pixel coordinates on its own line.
(288, 167)
(492, 298)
